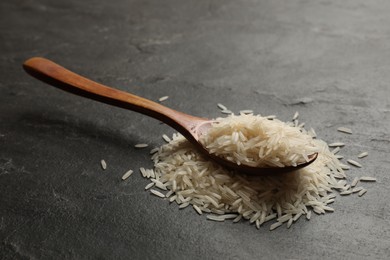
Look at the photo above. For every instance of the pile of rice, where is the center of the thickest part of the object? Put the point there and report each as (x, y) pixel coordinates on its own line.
(258, 142)
(182, 175)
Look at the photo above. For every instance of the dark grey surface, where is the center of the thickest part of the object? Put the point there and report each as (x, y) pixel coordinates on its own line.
(56, 202)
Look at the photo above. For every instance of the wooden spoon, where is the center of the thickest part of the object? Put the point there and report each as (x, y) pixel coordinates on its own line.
(190, 126)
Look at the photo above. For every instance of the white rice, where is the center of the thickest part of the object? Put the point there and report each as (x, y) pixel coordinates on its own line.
(362, 155)
(296, 115)
(367, 178)
(197, 209)
(357, 189)
(335, 150)
(157, 193)
(257, 141)
(222, 107)
(346, 192)
(362, 192)
(103, 164)
(166, 138)
(154, 150)
(150, 185)
(127, 174)
(354, 182)
(141, 145)
(289, 223)
(246, 111)
(226, 111)
(161, 99)
(344, 130)
(215, 218)
(193, 180)
(354, 163)
(275, 225)
(336, 144)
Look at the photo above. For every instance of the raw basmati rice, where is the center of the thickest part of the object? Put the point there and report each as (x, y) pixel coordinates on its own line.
(362, 155)
(346, 192)
(127, 174)
(154, 150)
(141, 145)
(296, 115)
(289, 223)
(308, 215)
(246, 111)
(344, 130)
(336, 144)
(193, 180)
(215, 218)
(354, 163)
(103, 164)
(150, 185)
(197, 209)
(157, 193)
(354, 190)
(166, 138)
(258, 142)
(354, 182)
(275, 225)
(362, 192)
(226, 112)
(367, 178)
(161, 99)
(222, 107)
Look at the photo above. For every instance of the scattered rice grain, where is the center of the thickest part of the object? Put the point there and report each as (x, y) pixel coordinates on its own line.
(275, 225)
(141, 145)
(103, 164)
(161, 99)
(367, 178)
(222, 107)
(362, 192)
(344, 130)
(354, 163)
(157, 193)
(362, 155)
(127, 174)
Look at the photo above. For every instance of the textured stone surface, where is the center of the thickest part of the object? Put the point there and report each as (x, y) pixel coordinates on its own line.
(329, 60)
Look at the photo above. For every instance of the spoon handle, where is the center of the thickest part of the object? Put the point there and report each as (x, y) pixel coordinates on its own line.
(56, 75)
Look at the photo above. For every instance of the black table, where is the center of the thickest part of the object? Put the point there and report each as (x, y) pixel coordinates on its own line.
(329, 60)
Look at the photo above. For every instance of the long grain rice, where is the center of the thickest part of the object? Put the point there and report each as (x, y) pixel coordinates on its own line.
(275, 225)
(362, 155)
(357, 189)
(354, 182)
(161, 99)
(336, 144)
(141, 145)
(127, 174)
(344, 130)
(354, 163)
(257, 141)
(192, 180)
(367, 178)
(157, 193)
(222, 107)
(103, 164)
(362, 192)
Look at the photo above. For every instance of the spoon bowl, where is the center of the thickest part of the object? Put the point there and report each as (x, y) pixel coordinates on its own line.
(191, 127)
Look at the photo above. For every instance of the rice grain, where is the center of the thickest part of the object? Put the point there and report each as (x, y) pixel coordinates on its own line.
(127, 174)
(103, 164)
